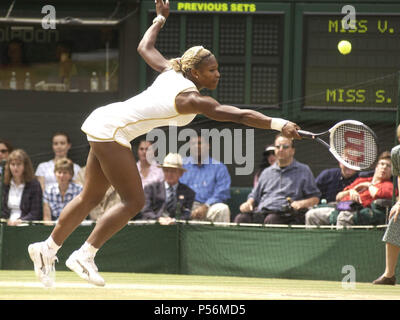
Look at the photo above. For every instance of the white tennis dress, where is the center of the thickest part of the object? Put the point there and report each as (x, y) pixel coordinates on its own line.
(154, 107)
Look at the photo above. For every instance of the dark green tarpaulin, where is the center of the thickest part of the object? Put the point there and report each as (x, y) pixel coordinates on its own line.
(297, 253)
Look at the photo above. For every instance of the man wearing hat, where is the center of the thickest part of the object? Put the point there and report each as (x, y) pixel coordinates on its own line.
(169, 198)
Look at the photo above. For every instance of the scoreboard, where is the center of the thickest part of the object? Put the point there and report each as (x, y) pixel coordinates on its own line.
(363, 84)
(363, 79)
(282, 58)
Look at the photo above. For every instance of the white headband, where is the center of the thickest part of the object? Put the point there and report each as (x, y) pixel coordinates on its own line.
(198, 50)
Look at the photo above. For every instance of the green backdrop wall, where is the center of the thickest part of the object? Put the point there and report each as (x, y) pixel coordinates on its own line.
(293, 253)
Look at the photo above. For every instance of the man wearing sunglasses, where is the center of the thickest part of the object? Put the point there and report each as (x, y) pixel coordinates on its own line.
(284, 192)
(5, 149)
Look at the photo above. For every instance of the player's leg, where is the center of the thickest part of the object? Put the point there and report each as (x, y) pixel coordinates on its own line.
(43, 254)
(392, 239)
(392, 255)
(119, 166)
(94, 189)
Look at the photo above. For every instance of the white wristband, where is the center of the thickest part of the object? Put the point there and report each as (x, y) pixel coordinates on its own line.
(160, 18)
(278, 123)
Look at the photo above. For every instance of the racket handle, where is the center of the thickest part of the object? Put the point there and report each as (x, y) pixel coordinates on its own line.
(306, 134)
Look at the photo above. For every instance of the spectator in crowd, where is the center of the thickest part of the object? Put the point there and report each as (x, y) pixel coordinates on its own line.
(45, 171)
(331, 181)
(284, 191)
(14, 55)
(356, 196)
(168, 199)
(110, 198)
(5, 149)
(13, 63)
(57, 195)
(67, 68)
(268, 159)
(210, 180)
(22, 195)
(147, 166)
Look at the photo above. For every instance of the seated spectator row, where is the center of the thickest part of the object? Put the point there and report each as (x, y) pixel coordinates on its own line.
(195, 187)
(39, 195)
(287, 193)
(208, 185)
(198, 188)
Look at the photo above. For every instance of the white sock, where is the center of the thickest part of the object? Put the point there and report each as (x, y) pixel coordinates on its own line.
(89, 248)
(51, 244)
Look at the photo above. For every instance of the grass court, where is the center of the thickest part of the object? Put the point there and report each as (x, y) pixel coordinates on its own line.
(22, 285)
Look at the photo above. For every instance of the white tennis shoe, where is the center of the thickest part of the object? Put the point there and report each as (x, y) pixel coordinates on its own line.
(83, 265)
(44, 260)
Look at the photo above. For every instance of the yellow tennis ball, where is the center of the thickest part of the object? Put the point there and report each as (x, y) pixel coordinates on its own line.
(344, 47)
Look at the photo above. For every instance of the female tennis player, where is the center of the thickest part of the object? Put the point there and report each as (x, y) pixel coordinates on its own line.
(173, 99)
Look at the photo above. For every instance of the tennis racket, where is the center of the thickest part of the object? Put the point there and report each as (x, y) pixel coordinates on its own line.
(351, 142)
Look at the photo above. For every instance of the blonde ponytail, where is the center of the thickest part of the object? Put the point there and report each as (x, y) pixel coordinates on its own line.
(176, 64)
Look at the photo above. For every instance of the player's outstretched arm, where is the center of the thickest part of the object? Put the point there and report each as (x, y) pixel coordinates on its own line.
(146, 47)
(211, 108)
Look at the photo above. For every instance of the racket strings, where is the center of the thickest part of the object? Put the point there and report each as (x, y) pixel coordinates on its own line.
(355, 145)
